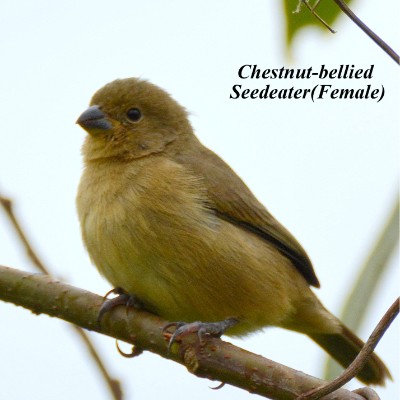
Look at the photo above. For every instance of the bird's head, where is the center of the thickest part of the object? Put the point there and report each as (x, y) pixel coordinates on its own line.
(132, 118)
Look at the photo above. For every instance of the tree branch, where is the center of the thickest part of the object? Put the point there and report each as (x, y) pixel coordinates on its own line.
(215, 359)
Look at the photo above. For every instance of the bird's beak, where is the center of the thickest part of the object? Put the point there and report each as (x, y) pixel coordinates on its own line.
(93, 118)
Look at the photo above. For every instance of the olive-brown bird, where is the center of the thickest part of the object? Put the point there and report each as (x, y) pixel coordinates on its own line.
(166, 220)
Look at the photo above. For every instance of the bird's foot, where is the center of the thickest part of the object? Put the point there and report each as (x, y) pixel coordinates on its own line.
(122, 298)
(214, 329)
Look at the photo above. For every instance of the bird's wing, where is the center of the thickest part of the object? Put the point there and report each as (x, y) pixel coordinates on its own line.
(234, 202)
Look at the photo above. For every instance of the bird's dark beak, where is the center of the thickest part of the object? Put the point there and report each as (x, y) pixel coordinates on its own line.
(94, 118)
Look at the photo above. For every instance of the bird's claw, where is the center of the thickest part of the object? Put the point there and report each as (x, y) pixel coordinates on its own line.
(122, 298)
(136, 351)
(214, 329)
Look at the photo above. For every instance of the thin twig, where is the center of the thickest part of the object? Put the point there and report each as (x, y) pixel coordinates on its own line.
(344, 7)
(381, 43)
(312, 10)
(8, 208)
(113, 384)
(355, 367)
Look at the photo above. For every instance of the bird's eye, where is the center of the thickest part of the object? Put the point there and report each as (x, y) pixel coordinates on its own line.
(134, 114)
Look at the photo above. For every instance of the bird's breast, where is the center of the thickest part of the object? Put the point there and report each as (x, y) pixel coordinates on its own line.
(144, 226)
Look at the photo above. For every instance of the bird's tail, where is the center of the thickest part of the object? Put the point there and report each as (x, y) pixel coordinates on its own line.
(344, 347)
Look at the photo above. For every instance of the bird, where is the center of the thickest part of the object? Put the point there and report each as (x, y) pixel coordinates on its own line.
(170, 223)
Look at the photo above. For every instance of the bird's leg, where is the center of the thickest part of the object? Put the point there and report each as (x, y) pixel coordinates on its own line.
(122, 298)
(214, 329)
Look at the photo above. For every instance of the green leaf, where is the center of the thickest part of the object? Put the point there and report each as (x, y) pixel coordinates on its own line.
(326, 9)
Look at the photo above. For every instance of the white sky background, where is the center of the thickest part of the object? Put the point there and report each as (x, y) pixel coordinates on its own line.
(327, 170)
